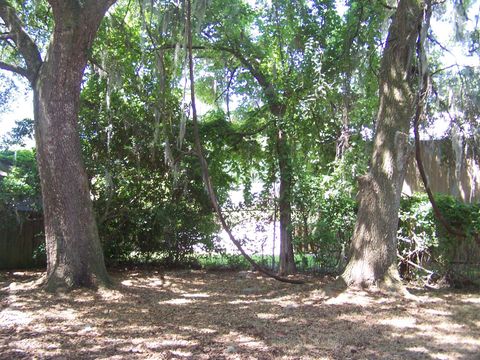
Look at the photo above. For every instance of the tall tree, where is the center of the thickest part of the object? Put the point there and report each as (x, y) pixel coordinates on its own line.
(275, 57)
(374, 242)
(74, 254)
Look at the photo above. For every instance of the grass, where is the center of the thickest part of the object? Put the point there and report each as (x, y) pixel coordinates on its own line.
(305, 263)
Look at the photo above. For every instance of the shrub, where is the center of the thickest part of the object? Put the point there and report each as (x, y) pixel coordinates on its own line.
(423, 240)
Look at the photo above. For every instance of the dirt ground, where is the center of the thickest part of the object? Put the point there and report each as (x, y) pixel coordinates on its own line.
(231, 315)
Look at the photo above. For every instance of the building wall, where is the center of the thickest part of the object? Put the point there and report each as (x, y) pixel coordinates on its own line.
(452, 167)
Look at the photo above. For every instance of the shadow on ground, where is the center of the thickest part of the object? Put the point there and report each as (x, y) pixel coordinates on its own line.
(228, 315)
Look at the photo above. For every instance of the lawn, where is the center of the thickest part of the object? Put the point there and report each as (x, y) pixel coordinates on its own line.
(232, 315)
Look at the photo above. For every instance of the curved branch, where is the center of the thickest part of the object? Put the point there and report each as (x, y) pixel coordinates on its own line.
(274, 103)
(419, 115)
(25, 45)
(15, 69)
(204, 165)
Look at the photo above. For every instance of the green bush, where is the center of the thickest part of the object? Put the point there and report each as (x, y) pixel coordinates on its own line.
(424, 241)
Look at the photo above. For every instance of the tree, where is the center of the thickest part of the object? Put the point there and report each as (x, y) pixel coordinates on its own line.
(74, 254)
(148, 190)
(374, 242)
(275, 70)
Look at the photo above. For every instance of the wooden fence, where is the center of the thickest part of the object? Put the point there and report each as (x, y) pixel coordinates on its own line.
(21, 242)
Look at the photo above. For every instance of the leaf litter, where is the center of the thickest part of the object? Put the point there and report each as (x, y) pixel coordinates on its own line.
(231, 315)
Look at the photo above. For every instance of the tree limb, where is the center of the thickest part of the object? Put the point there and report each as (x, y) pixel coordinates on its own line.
(14, 68)
(6, 36)
(273, 101)
(419, 115)
(204, 166)
(25, 45)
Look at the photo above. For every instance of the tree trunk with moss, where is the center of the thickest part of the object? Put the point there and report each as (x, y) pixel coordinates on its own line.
(374, 242)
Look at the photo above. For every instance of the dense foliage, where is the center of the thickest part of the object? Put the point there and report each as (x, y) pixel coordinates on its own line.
(425, 242)
(288, 93)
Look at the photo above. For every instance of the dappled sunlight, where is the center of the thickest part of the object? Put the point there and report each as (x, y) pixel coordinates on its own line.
(199, 330)
(9, 317)
(196, 295)
(353, 298)
(110, 295)
(231, 316)
(400, 322)
(234, 339)
(266, 316)
(178, 301)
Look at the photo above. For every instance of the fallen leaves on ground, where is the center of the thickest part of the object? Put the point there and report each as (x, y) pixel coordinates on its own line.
(232, 315)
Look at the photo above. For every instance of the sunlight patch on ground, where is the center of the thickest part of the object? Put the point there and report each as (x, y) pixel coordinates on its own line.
(127, 283)
(457, 338)
(286, 320)
(400, 323)
(9, 317)
(27, 344)
(110, 295)
(266, 316)
(436, 312)
(61, 314)
(240, 302)
(419, 349)
(173, 343)
(199, 330)
(156, 281)
(88, 330)
(181, 354)
(351, 298)
(472, 300)
(196, 295)
(178, 301)
(234, 339)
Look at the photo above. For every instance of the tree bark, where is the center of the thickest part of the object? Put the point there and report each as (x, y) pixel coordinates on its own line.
(287, 260)
(374, 242)
(74, 253)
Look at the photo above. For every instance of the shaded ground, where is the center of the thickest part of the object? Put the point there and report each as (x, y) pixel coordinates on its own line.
(227, 315)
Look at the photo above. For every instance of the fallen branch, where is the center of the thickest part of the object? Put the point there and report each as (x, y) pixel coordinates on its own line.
(429, 272)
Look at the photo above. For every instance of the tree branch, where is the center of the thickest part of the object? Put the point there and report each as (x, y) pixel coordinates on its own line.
(14, 68)
(6, 36)
(274, 103)
(25, 45)
(204, 166)
(419, 115)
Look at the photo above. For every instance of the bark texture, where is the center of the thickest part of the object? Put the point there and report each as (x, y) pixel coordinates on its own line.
(286, 260)
(278, 110)
(74, 254)
(374, 242)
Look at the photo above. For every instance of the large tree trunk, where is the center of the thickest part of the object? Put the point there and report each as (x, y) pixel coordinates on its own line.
(374, 242)
(74, 254)
(287, 261)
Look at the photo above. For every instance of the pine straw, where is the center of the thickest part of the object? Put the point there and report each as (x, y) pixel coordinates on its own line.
(227, 315)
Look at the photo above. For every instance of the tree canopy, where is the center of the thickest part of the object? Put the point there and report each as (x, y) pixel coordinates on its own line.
(291, 96)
